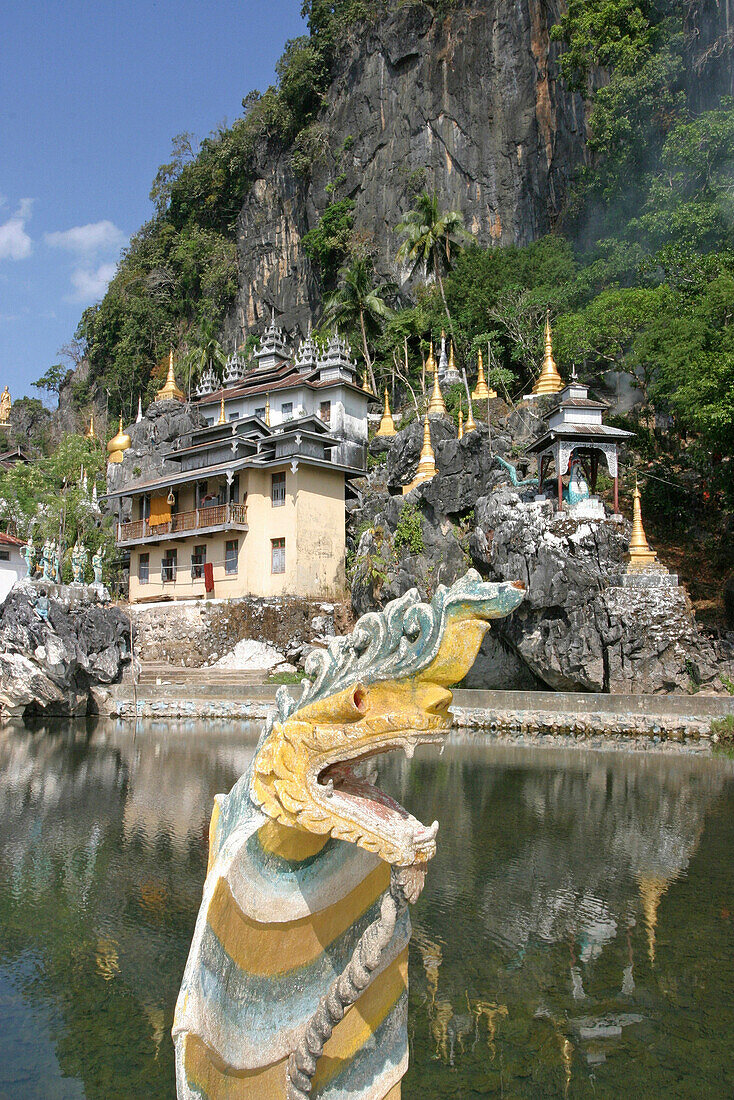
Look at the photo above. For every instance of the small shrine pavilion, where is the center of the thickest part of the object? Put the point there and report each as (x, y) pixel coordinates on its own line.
(576, 432)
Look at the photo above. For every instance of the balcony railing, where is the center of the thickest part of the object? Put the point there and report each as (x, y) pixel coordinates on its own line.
(216, 515)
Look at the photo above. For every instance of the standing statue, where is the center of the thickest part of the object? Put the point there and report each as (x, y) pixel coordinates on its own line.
(312, 867)
(5, 406)
(47, 561)
(79, 558)
(28, 553)
(97, 559)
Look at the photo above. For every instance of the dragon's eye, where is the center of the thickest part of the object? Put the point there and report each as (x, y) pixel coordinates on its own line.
(360, 699)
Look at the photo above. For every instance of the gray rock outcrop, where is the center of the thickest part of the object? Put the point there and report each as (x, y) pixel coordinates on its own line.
(57, 643)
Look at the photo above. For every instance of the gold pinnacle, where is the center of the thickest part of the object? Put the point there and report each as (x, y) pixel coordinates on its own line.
(436, 406)
(169, 391)
(640, 555)
(90, 432)
(427, 461)
(481, 393)
(267, 409)
(387, 424)
(452, 364)
(222, 417)
(549, 380)
(365, 385)
(430, 361)
(461, 422)
(470, 425)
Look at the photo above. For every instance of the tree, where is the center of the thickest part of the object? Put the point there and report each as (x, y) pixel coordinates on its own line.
(360, 301)
(205, 351)
(429, 235)
(53, 379)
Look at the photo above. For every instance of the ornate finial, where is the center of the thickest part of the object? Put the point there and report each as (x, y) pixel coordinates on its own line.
(169, 391)
(222, 417)
(549, 380)
(90, 432)
(574, 375)
(481, 392)
(387, 424)
(452, 364)
(366, 385)
(640, 556)
(267, 409)
(430, 361)
(118, 445)
(461, 421)
(436, 406)
(427, 461)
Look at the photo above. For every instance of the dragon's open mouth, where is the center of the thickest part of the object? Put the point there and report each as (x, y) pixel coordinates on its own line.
(347, 786)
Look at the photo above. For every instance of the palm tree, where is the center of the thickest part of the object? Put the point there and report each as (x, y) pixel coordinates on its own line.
(360, 300)
(429, 234)
(206, 350)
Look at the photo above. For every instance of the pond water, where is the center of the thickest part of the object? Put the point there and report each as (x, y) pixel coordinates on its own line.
(575, 937)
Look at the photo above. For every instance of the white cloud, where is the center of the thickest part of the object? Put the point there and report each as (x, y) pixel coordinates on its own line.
(15, 244)
(91, 283)
(88, 240)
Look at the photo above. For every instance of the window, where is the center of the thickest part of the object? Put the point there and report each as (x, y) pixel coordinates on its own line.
(277, 555)
(168, 566)
(325, 412)
(208, 420)
(4, 555)
(233, 416)
(260, 412)
(198, 561)
(143, 568)
(277, 490)
(286, 410)
(231, 553)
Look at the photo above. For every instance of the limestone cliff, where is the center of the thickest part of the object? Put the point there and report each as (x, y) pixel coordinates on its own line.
(466, 104)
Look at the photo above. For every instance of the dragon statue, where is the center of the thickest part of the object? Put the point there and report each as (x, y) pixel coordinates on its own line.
(296, 981)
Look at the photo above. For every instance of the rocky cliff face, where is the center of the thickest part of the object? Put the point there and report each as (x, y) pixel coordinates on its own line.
(467, 105)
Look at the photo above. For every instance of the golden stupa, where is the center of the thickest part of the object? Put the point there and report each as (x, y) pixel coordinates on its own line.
(482, 391)
(365, 385)
(640, 556)
(470, 425)
(387, 424)
(549, 380)
(90, 432)
(430, 362)
(427, 461)
(222, 417)
(169, 391)
(461, 422)
(118, 445)
(436, 406)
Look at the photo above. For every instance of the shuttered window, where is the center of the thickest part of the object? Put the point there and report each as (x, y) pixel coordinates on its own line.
(277, 555)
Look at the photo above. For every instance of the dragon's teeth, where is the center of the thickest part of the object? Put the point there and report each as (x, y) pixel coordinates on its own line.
(330, 788)
(409, 748)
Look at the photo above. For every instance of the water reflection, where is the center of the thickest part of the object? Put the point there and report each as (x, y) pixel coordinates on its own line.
(574, 937)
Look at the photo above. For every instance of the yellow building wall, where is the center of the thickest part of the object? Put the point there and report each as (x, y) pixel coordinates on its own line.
(311, 521)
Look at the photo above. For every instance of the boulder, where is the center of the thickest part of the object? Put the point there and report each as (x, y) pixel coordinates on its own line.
(56, 643)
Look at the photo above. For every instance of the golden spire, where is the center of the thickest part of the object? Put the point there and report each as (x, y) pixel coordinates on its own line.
(461, 421)
(430, 361)
(470, 426)
(267, 409)
(436, 406)
(482, 391)
(118, 445)
(387, 424)
(366, 386)
(549, 380)
(169, 391)
(452, 364)
(427, 461)
(640, 555)
(222, 417)
(90, 432)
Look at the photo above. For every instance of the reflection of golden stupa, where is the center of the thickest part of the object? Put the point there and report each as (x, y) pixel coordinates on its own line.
(652, 888)
(118, 445)
(640, 556)
(169, 391)
(549, 380)
(90, 432)
(492, 1013)
(427, 461)
(387, 424)
(436, 406)
(107, 958)
(222, 417)
(482, 391)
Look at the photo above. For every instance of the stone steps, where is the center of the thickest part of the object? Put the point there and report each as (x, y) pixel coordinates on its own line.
(176, 674)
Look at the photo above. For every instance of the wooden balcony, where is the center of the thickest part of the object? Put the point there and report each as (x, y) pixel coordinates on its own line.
(201, 521)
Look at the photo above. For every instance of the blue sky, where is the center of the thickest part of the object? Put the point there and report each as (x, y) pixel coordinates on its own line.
(91, 94)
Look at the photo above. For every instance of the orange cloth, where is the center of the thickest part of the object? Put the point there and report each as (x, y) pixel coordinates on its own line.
(160, 511)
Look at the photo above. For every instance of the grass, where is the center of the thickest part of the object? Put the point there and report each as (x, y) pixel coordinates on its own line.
(722, 735)
(285, 678)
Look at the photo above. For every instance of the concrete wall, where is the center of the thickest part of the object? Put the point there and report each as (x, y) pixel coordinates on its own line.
(11, 571)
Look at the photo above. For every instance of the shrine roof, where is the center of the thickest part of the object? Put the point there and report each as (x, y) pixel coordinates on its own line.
(594, 433)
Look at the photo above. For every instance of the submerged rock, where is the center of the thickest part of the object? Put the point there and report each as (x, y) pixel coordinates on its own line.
(57, 642)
